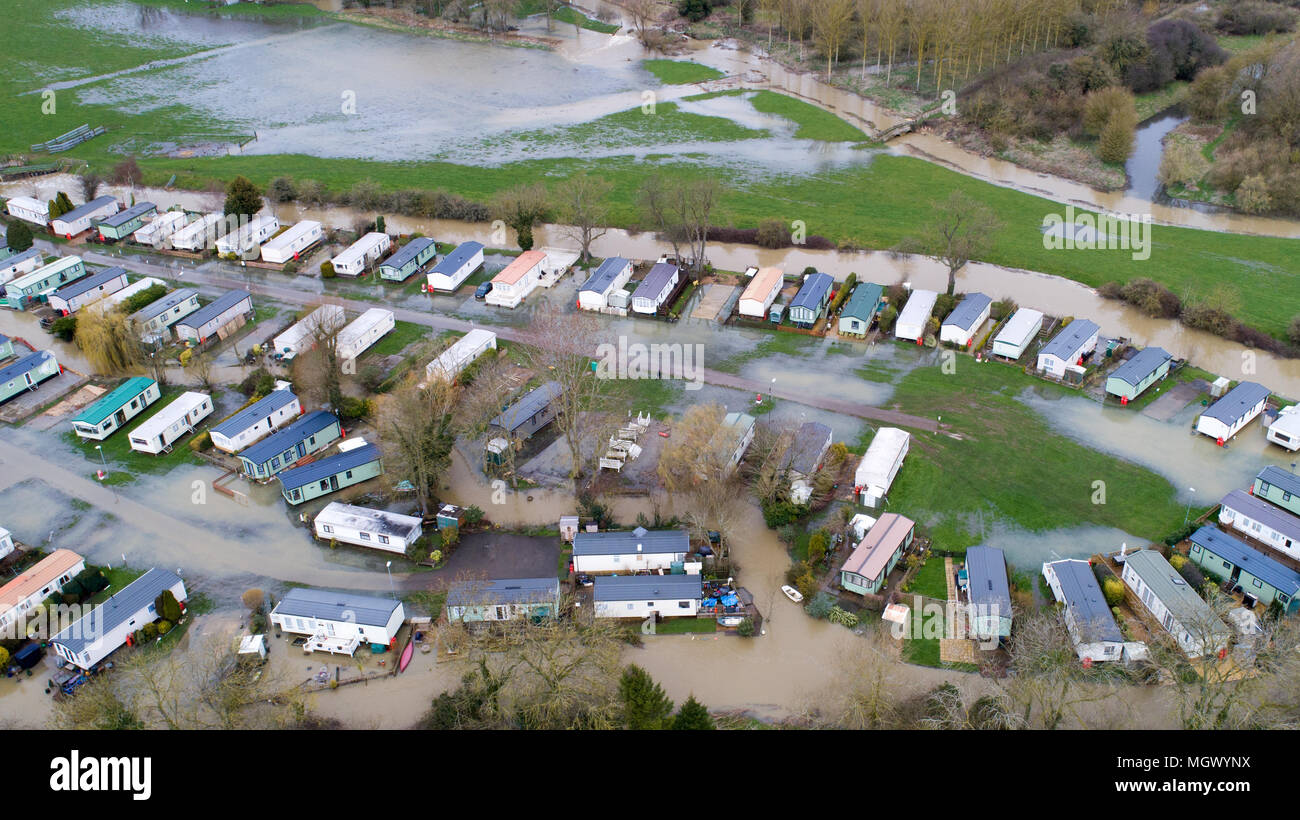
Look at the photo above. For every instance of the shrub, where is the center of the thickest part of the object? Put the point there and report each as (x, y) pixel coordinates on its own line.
(887, 318)
(281, 189)
(64, 327)
(201, 443)
(258, 383)
(327, 270)
(353, 408)
(1116, 142)
(150, 631)
(943, 306)
(1293, 330)
(1113, 590)
(773, 233)
(776, 513)
(164, 627)
(450, 535)
(167, 606)
(817, 545)
(1192, 575)
(746, 628)
(1182, 164)
(73, 589)
(18, 236)
(821, 605)
(473, 515)
(1152, 298)
(91, 580)
(1254, 18)
(144, 298)
(253, 598)
(1104, 106)
(1252, 195)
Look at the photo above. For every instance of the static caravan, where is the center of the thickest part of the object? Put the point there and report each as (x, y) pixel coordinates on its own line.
(1234, 411)
(503, 600)
(653, 291)
(83, 217)
(24, 291)
(1261, 521)
(154, 320)
(43, 579)
(158, 433)
(1278, 486)
(364, 527)
(72, 297)
(648, 596)
(456, 267)
(625, 552)
(1015, 336)
(1064, 353)
(362, 254)
(29, 210)
(6, 347)
(1285, 429)
(292, 243)
(363, 332)
(114, 409)
(26, 373)
(915, 315)
(741, 427)
(760, 293)
(1088, 619)
(284, 448)
(1255, 573)
(988, 593)
(409, 258)
(227, 312)
(160, 229)
(456, 358)
(200, 234)
(1133, 377)
(114, 299)
(1174, 604)
(518, 279)
(813, 297)
(965, 320)
(258, 230)
(338, 622)
(97, 635)
(124, 223)
(612, 275)
(861, 308)
(6, 547)
(360, 462)
(20, 263)
(529, 414)
(880, 550)
(303, 335)
(257, 420)
(884, 458)
(804, 458)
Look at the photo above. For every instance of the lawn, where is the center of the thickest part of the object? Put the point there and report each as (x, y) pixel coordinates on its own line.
(814, 123)
(652, 396)
(680, 72)
(930, 580)
(402, 336)
(775, 343)
(664, 124)
(684, 626)
(566, 14)
(1011, 464)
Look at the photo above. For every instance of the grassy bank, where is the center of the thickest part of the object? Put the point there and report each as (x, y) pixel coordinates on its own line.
(1012, 465)
(680, 72)
(814, 123)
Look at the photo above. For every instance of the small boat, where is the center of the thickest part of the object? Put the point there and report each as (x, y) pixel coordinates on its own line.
(407, 654)
(792, 593)
(731, 620)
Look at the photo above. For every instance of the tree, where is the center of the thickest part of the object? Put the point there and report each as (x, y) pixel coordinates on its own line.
(1252, 195)
(645, 706)
(201, 364)
(693, 716)
(90, 182)
(127, 172)
(281, 189)
(680, 212)
(960, 229)
(1045, 686)
(254, 599)
(242, 198)
(415, 424)
(319, 369)
(1116, 142)
(562, 345)
(167, 606)
(831, 21)
(696, 464)
(583, 205)
(106, 339)
(18, 236)
(522, 208)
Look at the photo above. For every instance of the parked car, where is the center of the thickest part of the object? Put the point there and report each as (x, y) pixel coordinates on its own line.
(584, 580)
(483, 290)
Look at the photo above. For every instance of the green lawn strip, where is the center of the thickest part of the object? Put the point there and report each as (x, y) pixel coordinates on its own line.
(814, 123)
(635, 127)
(930, 579)
(680, 72)
(653, 396)
(265, 11)
(402, 336)
(685, 626)
(1010, 463)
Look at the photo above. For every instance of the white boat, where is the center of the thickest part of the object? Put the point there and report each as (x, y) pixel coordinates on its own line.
(792, 593)
(731, 620)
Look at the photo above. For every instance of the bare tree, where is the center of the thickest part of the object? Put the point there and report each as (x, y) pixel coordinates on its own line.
(831, 23)
(415, 424)
(583, 205)
(318, 369)
(560, 346)
(90, 183)
(696, 463)
(1047, 685)
(960, 229)
(680, 211)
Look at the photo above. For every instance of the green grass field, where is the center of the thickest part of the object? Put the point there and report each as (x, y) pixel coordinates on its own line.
(680, 72)
(566, 14)
(117, 447)
(814, 123)
(929, 579)
(1012, 465)
(402, 336)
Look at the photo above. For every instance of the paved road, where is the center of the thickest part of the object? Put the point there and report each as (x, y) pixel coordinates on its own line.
(297, 296)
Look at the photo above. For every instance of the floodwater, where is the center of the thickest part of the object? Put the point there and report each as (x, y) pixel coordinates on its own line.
(1143, 167)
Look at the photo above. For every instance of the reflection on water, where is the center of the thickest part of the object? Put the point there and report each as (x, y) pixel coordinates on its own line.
(1143, 167)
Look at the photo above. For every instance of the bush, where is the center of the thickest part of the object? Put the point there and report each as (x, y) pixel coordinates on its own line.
(258, 383)
(473, 515)
(201, 443)
(817, 545)
(1252, 195)
(773, 233)
(1152, 298)
(1192, 575)
(777, 513)
(164, 627)
(746, 628)
(281, 189)
(821, 605)
(1254, 18)
(150, 631)
(354, 408)
(18, 236)
(1100, 108)
(1113, 590)
(75, 590)
(450, 535)
(144, 298)
(1182, 164)
(887, 318)
(64, 327)
(327, 270)
(1293, 330)
(91, 580)
(167, 606)
(1116, 142)
(943, 306)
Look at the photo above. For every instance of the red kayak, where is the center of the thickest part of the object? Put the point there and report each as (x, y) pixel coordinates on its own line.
(407, 654)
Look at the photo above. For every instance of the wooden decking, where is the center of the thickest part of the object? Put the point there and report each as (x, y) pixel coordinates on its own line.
(951, 648)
